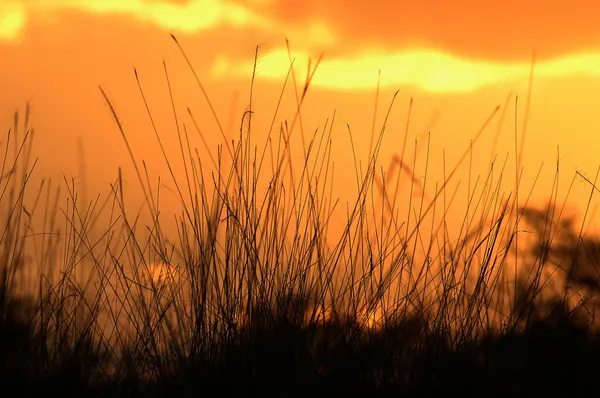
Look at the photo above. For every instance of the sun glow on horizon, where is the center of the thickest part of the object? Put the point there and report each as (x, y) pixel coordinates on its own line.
(160, 273)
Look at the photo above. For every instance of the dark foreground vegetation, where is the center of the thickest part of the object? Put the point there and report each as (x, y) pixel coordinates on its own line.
(255, 299)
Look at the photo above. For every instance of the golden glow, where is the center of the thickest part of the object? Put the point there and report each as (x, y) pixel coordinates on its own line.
(160, 274)
(12, 20)
(192, 16)
(433, 71)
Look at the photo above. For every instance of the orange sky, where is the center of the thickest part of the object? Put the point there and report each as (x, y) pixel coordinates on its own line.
(459, 58)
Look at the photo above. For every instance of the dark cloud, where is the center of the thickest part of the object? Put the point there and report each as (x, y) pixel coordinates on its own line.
(503, 30)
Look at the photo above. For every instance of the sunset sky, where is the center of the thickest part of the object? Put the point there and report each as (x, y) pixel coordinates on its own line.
(457, 59)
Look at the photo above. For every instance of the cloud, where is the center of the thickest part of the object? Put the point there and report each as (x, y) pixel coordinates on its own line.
(500, 31)
(508, 30)
(438, 45)
(433, 71)
(186, 16)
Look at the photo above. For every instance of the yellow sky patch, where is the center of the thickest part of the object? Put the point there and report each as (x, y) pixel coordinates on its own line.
(13, 18)
(192, 16)
(433, 71)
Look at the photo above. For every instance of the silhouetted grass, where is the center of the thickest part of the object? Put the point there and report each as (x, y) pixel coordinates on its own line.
(254, 297)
